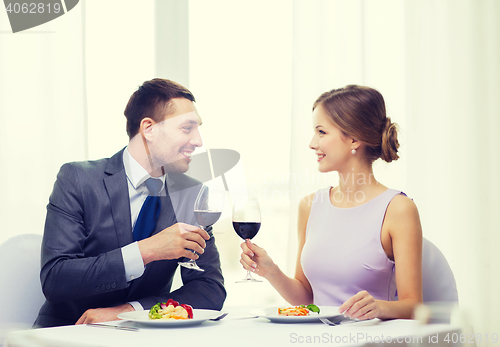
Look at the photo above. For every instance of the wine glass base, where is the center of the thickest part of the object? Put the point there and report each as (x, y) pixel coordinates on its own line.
(246, 280)
(191, 266)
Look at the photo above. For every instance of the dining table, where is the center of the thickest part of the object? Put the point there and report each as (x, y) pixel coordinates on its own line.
(242, 326)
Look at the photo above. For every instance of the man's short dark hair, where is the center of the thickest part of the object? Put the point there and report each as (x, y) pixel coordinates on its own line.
(153, 99)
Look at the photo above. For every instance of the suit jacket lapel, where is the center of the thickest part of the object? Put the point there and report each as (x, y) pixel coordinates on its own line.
(117, 189)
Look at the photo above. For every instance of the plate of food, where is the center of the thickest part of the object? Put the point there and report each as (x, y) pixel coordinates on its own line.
(297, 314)
(170, 313)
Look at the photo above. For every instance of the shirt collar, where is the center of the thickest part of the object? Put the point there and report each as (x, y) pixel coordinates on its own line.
(136, 174)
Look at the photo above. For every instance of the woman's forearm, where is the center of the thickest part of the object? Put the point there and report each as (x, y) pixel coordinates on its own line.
(401, 309)
(291, 289)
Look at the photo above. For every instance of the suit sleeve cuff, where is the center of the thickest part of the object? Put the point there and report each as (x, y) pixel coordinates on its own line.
(136, 305)
(132, 260)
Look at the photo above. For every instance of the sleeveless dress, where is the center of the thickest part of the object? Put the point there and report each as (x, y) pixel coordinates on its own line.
(343, 253)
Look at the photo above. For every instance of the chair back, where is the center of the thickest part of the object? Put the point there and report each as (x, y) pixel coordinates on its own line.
(438, 282)
(20, 290)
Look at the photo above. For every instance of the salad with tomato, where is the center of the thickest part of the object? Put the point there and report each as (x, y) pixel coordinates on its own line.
(171, 310)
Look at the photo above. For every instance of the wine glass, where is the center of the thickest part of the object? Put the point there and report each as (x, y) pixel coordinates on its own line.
(207, 210)
(246, 223)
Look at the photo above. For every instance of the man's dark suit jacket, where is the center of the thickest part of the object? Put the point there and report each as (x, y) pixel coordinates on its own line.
(88, 221)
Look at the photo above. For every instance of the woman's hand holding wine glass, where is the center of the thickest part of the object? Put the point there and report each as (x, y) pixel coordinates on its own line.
(256, 259)
(246, 223)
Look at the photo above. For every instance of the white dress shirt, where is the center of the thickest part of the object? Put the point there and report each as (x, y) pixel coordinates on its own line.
(138, 192)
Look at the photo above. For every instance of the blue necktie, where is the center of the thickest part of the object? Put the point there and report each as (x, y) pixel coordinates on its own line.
(150, 211)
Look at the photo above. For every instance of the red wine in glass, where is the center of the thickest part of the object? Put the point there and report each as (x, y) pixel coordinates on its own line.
(246, 223)
(246, 230)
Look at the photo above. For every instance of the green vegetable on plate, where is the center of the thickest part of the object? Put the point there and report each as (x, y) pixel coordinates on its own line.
(312, 308)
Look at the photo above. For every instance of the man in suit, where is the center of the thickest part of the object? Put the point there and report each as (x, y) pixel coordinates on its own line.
(95, 263)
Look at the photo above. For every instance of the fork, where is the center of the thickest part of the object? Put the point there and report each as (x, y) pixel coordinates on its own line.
(349, 321)
(220, 317)
(329, 322)
(118, 327)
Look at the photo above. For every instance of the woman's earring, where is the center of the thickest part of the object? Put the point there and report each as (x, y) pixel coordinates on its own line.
(353, 151)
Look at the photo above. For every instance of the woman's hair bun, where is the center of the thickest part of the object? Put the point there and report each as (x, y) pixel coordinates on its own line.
(390, 142)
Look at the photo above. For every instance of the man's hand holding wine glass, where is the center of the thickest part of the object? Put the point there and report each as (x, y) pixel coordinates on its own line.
(174, 242)
(207, 210)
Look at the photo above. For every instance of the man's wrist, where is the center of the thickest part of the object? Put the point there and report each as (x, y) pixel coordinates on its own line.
(147, 255)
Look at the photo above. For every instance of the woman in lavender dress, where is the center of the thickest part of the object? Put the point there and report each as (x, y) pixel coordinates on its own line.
(358, 241)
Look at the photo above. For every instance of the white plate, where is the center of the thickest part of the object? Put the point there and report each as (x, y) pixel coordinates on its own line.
(141, 317)
(271, 313)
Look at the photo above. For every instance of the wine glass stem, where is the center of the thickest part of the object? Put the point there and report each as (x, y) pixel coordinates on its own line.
(192, 250)
(249, 276)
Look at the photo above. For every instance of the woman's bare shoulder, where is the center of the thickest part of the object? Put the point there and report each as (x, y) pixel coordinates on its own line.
(305, 209)
(306, 202)
(402, 205)
(402, 215)
(303, 216)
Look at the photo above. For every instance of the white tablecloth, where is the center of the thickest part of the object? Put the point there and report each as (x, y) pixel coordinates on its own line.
(237, 329)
